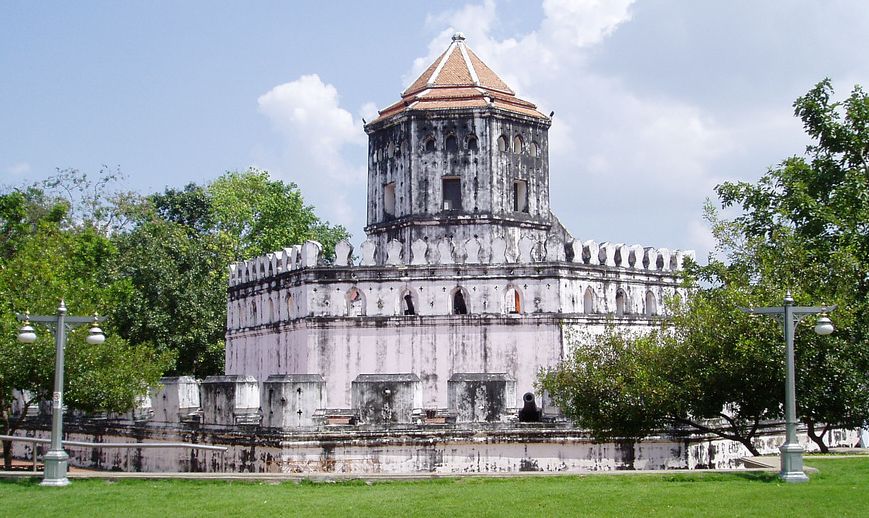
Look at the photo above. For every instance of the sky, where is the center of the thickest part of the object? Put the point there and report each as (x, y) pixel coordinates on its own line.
(655, 101)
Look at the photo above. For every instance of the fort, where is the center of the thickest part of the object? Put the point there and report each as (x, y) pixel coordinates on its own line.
(419, 350)
(465, 273)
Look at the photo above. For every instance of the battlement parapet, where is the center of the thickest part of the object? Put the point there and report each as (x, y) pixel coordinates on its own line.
(469, 252)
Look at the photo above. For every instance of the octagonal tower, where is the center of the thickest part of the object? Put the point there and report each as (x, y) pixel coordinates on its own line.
(461, 157)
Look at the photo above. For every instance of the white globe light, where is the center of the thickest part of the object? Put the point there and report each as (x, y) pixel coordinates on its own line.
(26, 335)
(95, 336)
(824, 326)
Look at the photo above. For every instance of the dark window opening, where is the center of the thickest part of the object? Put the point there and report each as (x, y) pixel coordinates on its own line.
(430, 144)
(620, 303)
(520, 196)
(452, 144)
(459, 306)
(472, 144)
(408, 305)
(452, 190)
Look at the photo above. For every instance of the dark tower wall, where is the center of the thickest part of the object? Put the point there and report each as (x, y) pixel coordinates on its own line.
(415, 153)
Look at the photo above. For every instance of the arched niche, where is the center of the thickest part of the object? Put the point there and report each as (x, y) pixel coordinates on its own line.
(588, 301)
(460, 302)
(355, 300)
(651, 307)
(408, 302)
(621, 302)
(512, 300)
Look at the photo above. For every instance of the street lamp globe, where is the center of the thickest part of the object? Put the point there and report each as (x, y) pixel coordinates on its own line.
(26, 335)
(824, 326)
(95, 336)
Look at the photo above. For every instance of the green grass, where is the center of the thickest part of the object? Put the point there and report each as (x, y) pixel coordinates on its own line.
(841, 488)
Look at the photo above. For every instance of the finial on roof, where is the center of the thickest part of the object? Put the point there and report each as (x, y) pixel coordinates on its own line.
(459, 36)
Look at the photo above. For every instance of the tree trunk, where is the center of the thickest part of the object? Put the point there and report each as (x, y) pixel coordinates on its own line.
(734, 435)
(746, 441)
(819, 439)
(7, 455)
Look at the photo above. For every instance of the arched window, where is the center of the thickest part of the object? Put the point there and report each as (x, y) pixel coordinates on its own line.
(588, 301)
(512, 301)
(534, 149)
(253, 313)
(651, 304)
(429, 144)
(291, 310)
(452, 144)
(502, 143)
(407, 303)
(355, 303)
(473, 144)
(459, 304)
(391, 149)
(620, 303)
(517, 144)
(271, 311)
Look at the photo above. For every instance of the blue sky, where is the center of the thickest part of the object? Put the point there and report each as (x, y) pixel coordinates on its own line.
(656, 101)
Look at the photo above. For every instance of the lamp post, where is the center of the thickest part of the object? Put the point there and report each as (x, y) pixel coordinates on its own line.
(56, 459)
(790, 315)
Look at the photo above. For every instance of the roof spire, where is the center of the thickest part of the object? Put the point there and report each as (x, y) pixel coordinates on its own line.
(459, 36)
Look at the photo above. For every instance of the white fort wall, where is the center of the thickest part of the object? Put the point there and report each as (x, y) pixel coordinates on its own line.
(288, 313)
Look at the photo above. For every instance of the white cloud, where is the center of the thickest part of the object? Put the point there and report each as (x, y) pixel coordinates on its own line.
(582, 23)
(316, 132)
(17, 169)
(624, 166)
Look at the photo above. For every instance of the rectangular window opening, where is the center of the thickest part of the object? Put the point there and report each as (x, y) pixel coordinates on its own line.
(389, 199)
(452, 189)
(520, 196)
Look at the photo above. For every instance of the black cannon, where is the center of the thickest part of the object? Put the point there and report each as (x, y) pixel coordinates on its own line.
(529, 413)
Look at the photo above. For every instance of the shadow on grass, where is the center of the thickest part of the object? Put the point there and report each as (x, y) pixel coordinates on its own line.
(752, 476)
(20, 481)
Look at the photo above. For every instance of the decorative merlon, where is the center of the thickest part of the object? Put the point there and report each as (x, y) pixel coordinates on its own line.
(448, 251)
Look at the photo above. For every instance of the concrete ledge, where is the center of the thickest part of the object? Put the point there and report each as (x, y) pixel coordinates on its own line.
(343, 477)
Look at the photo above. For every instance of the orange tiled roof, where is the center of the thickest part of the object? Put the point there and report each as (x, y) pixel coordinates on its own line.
(459, 79)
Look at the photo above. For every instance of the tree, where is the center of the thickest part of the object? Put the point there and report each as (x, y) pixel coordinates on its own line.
(175, 259)
(265, 215)
(46, 263)
(175, 292)
(812, 216)
(611, 384)
(804, 226)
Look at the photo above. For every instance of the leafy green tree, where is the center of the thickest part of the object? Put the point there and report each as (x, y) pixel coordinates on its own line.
(810, 216)
(175, 292)
(804, 227)
(265, 215)
(176, 259)
(48, 263)
(611, 383)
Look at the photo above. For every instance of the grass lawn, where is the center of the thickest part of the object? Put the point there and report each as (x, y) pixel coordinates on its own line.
(841, 488)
